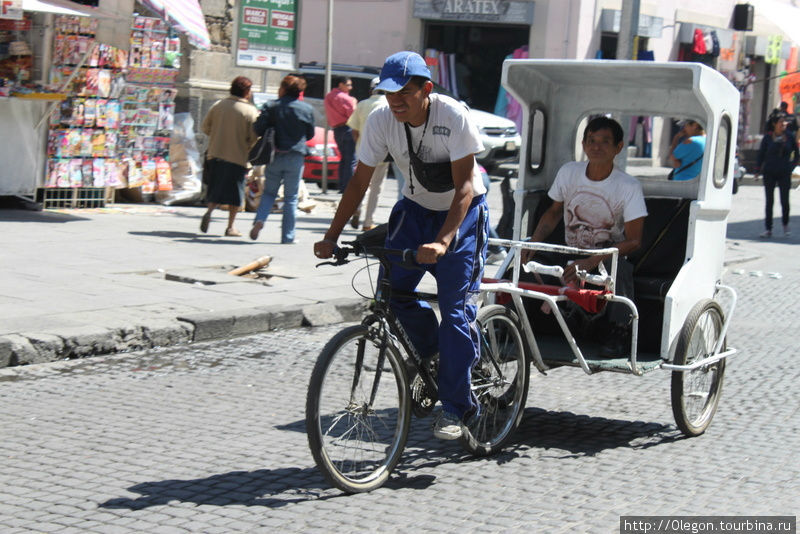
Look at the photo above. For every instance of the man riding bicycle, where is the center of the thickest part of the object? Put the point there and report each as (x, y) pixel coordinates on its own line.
(443, 215)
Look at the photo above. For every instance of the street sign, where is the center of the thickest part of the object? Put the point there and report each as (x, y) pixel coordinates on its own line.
(266, 34)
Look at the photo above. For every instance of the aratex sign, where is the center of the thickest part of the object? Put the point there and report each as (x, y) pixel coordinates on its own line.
(504, 11)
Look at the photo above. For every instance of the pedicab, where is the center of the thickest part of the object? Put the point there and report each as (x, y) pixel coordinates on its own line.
(681, 310)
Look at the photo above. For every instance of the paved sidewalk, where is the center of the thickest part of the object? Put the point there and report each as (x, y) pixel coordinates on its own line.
(129, 276)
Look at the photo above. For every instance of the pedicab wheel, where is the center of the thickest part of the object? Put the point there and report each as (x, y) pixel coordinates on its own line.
(695, 394)
(499, 381)
(357, 410)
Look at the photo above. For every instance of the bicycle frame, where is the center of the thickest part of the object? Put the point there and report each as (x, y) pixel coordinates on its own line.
(385, 317)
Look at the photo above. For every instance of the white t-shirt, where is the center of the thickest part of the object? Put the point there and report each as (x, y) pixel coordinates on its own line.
(595, 212)
(450, 136)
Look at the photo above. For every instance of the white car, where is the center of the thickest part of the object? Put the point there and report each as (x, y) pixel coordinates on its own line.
(501, 140)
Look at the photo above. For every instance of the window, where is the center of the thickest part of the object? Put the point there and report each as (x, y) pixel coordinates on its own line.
(722, 152)
(537, 133)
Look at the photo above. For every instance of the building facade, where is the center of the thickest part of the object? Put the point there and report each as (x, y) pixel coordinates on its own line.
(466, 41)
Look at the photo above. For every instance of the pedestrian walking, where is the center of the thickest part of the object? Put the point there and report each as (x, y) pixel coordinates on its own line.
(229, 127)
(777, 158)
(339, 105)
(293, 121)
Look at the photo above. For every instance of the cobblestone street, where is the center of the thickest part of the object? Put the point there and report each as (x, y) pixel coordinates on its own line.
(210, 438)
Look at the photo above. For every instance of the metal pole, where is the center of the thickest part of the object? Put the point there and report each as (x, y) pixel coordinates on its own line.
(628, 28)
(325, 89)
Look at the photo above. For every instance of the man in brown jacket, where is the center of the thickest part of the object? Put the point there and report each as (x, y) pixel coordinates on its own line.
(229, 125)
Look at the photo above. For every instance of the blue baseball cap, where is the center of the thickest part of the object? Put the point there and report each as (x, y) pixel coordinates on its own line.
(399, 68)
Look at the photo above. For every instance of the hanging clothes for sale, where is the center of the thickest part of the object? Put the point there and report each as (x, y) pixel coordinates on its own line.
(506, 105)
(699, 42)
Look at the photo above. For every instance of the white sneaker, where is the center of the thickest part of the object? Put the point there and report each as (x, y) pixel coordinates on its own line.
(786, 231)
(447, 426)
(496, 257)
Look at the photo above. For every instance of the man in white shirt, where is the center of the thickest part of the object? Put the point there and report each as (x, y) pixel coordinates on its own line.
(443, 216)
(601, 207)
(356, 123)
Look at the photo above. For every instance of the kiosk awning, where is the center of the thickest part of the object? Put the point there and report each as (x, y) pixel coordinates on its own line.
(186, 16)
(64, 7)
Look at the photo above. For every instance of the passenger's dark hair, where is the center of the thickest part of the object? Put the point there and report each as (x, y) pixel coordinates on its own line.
(293, 85)
(604, 123)
(336, 80)
(240, 85)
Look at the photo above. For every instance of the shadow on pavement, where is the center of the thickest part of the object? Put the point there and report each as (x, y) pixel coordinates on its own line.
(582, 435)
(18, 215)
(750, 230)
(250, 488)
(191, 237)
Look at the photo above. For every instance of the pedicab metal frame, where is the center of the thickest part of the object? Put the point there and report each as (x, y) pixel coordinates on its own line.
(556, 97)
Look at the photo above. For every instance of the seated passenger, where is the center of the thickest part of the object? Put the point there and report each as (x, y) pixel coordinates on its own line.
(686, 151)
(602, 207)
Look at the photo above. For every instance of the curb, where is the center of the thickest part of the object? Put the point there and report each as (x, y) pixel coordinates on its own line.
(70, 343)
(80, 342)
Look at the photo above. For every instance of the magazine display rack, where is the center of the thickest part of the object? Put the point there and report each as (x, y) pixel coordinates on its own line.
(113, 129)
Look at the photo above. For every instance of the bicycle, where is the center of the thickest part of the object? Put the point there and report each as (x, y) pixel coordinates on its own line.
(363, 391)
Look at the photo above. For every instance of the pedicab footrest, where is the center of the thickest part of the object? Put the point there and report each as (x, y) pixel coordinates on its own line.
(556, 352)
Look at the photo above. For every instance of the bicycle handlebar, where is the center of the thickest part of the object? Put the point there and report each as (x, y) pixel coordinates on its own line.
(408, 257)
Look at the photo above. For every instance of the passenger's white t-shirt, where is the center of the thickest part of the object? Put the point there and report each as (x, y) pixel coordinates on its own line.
(450, 136)
(595, 212)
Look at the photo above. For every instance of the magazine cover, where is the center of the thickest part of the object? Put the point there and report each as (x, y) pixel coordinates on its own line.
(66, 112)
(98, 172)
(104, 83)
(52, 173)
(113, 174)
(73, 145)
(86, 143)
(88, 180)
(134, 174)
(100, 112)
(111, 143)
(92, 82)
(78, 108)
(166, 116)
(163, 175)
(76, 172)
(62, 175)
(89, 112)
(112, 114)
(99, 143)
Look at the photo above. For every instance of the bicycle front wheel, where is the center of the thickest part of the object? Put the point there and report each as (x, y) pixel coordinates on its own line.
(499, 381)
(358, 410)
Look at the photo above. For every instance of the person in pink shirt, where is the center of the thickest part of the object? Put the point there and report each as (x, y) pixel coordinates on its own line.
(339, 105)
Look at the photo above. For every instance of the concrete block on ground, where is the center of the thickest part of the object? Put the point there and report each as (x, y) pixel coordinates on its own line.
(22, 351)
(210, 325)
(251, 321)
(166, 333)
(48, 347)
(353, 310)
(82, 341)
(285, 317)
(321, 314)
(6, 352)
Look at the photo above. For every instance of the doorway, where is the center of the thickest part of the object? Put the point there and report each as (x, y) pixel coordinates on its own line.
(479, 53)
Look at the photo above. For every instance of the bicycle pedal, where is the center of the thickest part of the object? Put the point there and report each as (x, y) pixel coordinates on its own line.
(421, 402)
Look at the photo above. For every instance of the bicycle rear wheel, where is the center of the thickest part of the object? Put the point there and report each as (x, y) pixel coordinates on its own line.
(358, 411)
(499, 380)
